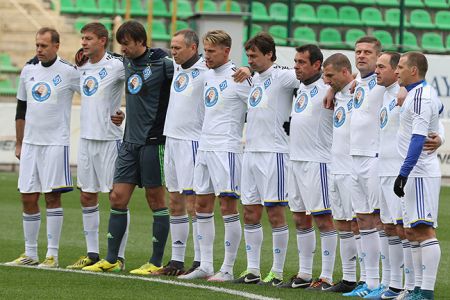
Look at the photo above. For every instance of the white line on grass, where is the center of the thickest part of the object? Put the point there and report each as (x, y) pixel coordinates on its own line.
(165, 281)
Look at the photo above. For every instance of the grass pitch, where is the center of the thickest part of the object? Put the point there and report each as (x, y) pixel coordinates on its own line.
(32, 283)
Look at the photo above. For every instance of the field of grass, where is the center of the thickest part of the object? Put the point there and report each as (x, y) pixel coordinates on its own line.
(32, 283)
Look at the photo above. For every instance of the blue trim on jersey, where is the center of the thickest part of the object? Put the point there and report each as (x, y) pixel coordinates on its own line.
(413, 85)
(414, 151)
(324, 185)
(273, 204)
(441, 109)
(418, 101)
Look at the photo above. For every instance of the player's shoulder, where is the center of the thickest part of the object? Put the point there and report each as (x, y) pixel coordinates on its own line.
(246, 83)
(158, 53)
(113, 57)
(66, 63)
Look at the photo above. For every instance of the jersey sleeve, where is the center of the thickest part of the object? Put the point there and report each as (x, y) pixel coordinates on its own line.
(169, 68)
(422, 112)
(243, 90)
(288, 79)
(21, 90)
(75, 80)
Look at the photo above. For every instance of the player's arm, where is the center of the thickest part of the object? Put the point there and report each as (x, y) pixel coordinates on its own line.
(421, 121)
(21, 110)
(328, 100)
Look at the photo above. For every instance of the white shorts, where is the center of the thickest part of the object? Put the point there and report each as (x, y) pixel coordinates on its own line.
(44, 169)
(96, 164)
(218, 173)
(308, 187)
(263, 178)
(421, 201)
(179, 163)
(341, 197)
(390, 204)
(366, 184)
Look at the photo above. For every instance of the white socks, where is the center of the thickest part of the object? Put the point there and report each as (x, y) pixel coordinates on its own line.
(431, 255)
(280, 238)
(385, 261)
(408, 266)
(348, 252)
(54, 226)
(416, 252)
(206, 235)
(362, 267)
(370, 245)
(253, 235)
(306, 245)
(396, 261)
(179, 231)
(233, 234)
(328, 242)
(31, 225)
(195, 239)
(91, 221)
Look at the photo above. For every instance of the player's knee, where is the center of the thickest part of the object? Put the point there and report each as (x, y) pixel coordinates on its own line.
(177, 206)
(228, 206)
(88, 199)
(324, 222)
(203, 206)
(53, 200)
(252, 214)
(116, 200)
(302, 220)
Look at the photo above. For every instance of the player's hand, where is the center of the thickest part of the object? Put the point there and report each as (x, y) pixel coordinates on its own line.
(328, 100)
(241, 74)
(399, 185)
(432, 142)
(401, 96)
(353, 87)
(287, 126)
(118, 118)
(18, 150)
(80, 58)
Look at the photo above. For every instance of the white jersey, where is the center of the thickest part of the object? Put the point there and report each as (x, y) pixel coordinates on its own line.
(225, 107)
(389, 160)
(186, 109)
(341, 161)
(48, 92)
(269, 105)
(419, 114)
(365, 129)
(311, 125)
(101, 89)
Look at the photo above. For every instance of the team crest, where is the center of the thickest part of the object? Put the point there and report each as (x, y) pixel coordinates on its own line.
(195, 73)
(90, 85)
(358, 97)
(102, 73)
(223, 85)
(339, 117)
(41, 91)
(134, 84)
(180, 83)
(372, 83)
(350, 105)
(314, 91)
(211, 96)
(255, 96)
(267, 83)
(147, 72)
(383, 117)
(392, 104)
(301, 102)
(57, 80)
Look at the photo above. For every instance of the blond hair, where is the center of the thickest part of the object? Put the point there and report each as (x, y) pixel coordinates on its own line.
(218, 37)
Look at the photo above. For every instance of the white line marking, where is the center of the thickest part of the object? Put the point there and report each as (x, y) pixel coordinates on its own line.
(165, 281)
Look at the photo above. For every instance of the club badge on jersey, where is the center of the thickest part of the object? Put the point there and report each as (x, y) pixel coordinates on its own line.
(301, 102)
(181, 82)
(90, 86)
(383, 117)
(358, 99)
(41, 91)
(339, 117)
(255, 96)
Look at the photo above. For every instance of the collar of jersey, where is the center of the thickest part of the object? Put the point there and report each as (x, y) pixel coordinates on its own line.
(393, 88)
(50, 63)
(368, 75)
(413, 85)
(313, 79)
(223, 67)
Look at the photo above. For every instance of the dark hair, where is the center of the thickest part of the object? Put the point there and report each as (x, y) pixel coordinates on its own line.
(371, 40)
(98, 29)
(134, 30)
(314, 53)
(190, 37)
(338, 61)
(394, 57)
(417, 59)
(53, 33)
(264, 42)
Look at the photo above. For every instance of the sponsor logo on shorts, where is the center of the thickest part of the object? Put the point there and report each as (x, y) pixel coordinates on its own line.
(41, 91)
(134, 84)
(90, 86)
